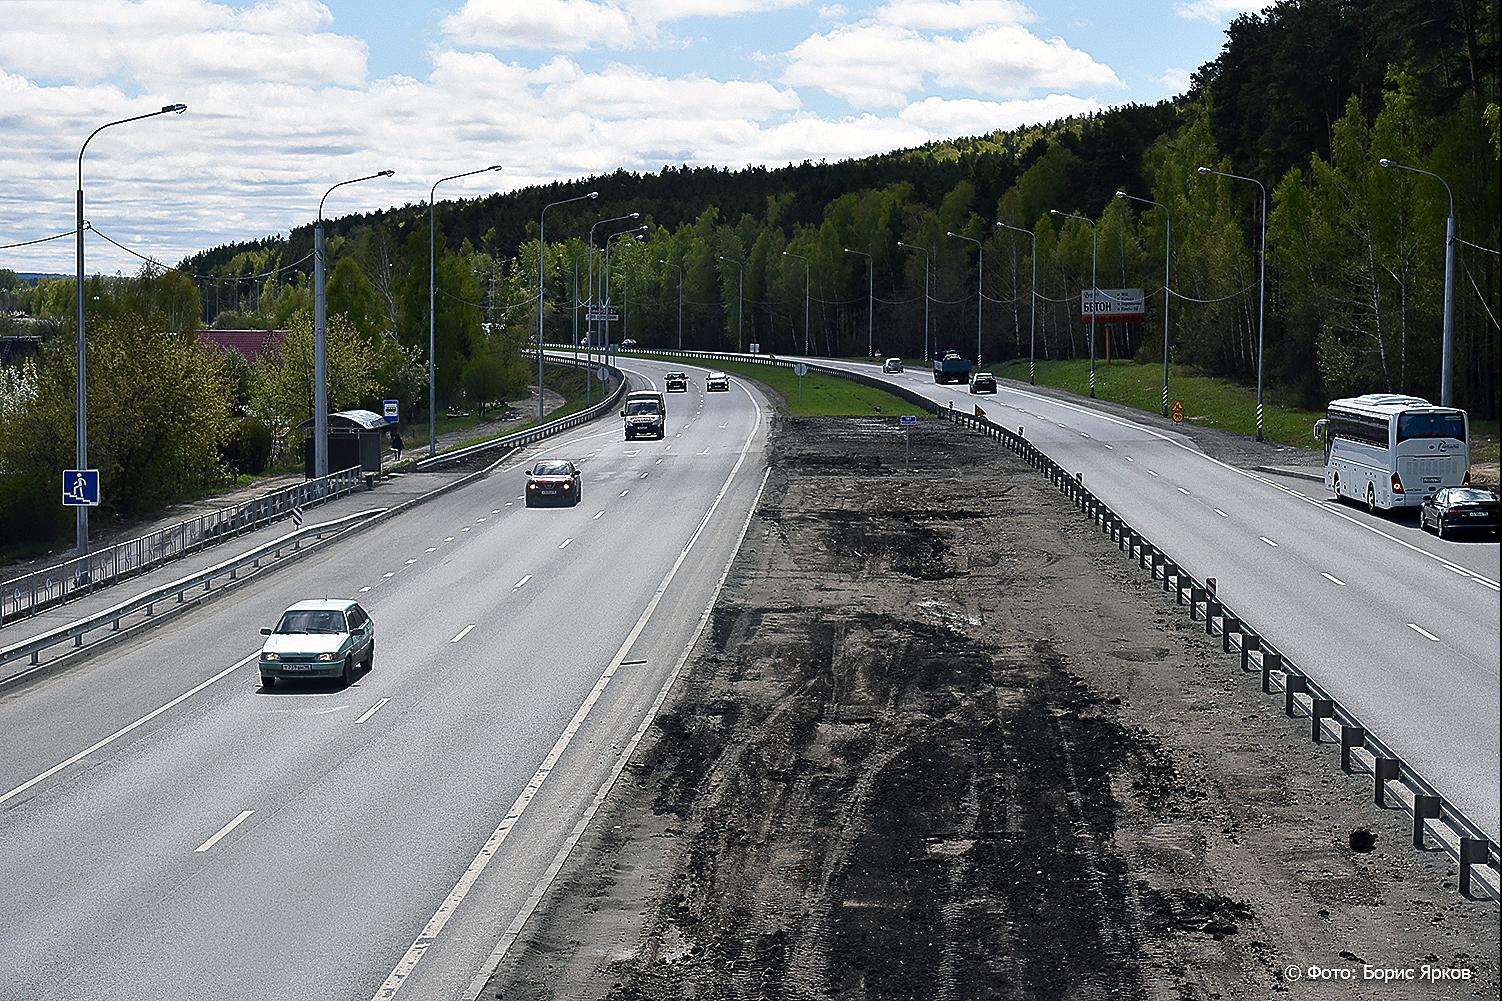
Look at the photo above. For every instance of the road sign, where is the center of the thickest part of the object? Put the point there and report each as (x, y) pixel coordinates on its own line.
(908, 420)
(296, 517)
(1113, 305)
(981, 413)
(603, 313)
(602, 372)
(1177, 412)
(391, 409)
(756, 347)
(80, 488)
(800, 369)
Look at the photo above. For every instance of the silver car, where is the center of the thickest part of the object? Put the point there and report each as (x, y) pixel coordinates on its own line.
(318, 639)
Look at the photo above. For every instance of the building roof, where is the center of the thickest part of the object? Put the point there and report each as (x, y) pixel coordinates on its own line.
(249, 344)
(352, 420)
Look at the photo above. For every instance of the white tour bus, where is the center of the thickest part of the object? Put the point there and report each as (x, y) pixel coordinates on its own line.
(1393, 451)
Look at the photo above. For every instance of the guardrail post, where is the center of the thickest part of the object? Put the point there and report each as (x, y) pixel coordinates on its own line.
(78, 641)
(1146, 553)
(1249, 641)
(149, 611)
(1272, 661)
(1228, 624)
(1351, 737)
(1425, 807)
(1472, 850)
(1384, 770)
(1294, 685)
(1178, 589)
(1169, 568)
(1319, 711)
(1212, 609)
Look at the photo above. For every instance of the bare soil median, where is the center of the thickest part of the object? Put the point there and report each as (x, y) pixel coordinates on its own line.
(943, 741)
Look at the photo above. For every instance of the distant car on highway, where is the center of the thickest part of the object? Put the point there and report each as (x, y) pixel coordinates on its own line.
(983, 382)
(628, 345)
(675, 382)
(318, 639)
(554, 481)
(717, 382)
(1460, 509)
(892, 365)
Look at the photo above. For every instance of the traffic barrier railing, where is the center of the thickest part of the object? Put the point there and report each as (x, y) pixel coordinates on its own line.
(36, 590)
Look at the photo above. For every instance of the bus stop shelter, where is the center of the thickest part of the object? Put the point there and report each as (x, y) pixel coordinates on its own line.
(354, 440)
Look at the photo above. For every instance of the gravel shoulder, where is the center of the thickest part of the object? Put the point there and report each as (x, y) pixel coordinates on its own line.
(943, 741)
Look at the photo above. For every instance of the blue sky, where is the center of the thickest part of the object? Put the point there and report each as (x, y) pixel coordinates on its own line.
(286, 96)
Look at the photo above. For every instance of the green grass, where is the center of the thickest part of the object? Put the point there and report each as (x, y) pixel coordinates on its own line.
(1208, 402)
(822, 395)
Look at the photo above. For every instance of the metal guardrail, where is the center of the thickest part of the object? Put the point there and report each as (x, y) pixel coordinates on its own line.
(36, 590)
(1302, 695)
(146, 601)
(538, 433)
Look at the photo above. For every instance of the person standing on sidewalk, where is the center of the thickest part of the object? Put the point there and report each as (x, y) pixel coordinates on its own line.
(396, 444)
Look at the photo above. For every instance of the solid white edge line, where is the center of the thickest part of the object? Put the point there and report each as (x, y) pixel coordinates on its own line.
(1332, 579)
(445, 911)
(1423, 632)
(126, 729)
(1220, 512)
(223, 831)
(462, 633)
(1182, 491)
(514, 930)
(1270, 542)
(372, 711)
(522, 582)
(564, 543)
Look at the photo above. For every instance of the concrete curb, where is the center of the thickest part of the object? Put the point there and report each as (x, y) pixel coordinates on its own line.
(1286, 471)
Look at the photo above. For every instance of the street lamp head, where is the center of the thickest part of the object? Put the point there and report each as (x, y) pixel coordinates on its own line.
(1054, 212)
(1385, 162)
(385, 173)
(593, 194)
(633, 215)
(947, 233)
(1204, 170)
(495, 166)
(175, 109)
(1121, 194)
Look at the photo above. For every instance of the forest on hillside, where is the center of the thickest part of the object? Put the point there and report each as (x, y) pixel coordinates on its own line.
(1305, 98)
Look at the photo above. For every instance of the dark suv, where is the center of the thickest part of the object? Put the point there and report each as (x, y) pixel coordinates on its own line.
(983, 382)
(675, 382)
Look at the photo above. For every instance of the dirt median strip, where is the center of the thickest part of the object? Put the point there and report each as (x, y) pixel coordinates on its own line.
(943, 742)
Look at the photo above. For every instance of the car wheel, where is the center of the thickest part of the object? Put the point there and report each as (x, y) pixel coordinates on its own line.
(1371, 500)
(370, 658)
(267, 681)
(349, 670)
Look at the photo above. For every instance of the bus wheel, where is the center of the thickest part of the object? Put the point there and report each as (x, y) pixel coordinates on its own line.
(1371, 500)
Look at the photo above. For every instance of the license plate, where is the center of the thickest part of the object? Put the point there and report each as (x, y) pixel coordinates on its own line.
(297, 667)
(1432, 479)
(1478, 514)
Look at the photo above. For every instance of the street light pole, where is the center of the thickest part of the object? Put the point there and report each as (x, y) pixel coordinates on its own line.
(1447, 337)
(740, 297)
(81, 416)
(635, 231)
(1032, 306)
(1261, 280)
(925, 254)
(320, 336)
(432, 336)
(870, 300)
(542, 242)
(589, 325)
(980, 288)
(1094, 292)
(806, 272)
(679, 269)
(1167, 295)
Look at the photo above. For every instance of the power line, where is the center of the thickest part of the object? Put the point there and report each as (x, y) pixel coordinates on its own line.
(44, 239)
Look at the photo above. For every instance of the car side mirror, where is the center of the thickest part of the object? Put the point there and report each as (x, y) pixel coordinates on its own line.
(357, 631)
(265, 631)
(529, 474)
(623, 413)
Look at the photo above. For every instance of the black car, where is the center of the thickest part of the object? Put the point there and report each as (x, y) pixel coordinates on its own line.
(675, 382)
(1460, 509)
(553, 481)
(983, 382)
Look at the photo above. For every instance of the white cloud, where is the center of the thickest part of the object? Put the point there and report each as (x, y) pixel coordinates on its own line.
(539, 24)
(952, 15)
(876, 64)
(969, 117)
(1175, 79)
(1218, 11)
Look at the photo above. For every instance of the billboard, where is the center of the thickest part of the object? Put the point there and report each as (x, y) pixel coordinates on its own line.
(1113, 305)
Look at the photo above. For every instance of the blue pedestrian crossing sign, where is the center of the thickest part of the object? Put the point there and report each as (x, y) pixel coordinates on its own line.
(390, 411)
(908, 420)
(80, 488)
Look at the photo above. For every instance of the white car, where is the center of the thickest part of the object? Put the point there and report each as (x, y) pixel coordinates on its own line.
(717, 382)
(892, 365)
(318, 639)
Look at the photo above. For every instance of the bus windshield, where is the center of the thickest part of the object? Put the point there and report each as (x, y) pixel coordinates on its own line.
(1431, 425)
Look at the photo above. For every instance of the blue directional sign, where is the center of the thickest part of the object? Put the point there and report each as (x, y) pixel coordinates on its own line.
(80, 488)
(908, 420)
(390, 410)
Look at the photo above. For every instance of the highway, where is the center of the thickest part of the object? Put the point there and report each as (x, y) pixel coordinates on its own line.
(1401, 627)
(173, 830)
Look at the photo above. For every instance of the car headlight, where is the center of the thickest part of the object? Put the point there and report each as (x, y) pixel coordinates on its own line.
(568, 486)
(271, 656)
(325, 656)
(531, 486)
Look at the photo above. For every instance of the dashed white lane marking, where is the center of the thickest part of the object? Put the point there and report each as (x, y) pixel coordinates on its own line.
(633, 451)
(725, 425)
(449, 539)
(510, 503)
(466, 528)
(371, 711)
(1064, 426)
(626, 491)
(18, 790)
(521, 583)
(432, 549)
(1182, 491)
(462, 633)
(597, 514)
(1270, 542)
(391, 573)
(1333, 579)
(364, 589)
(705, 452)
(1423, 632)
(1083, 435)
(1221, 513)
(564, 544)
(1153, 471)
(1111, 447)
(643, 475)
(410, 562)
(656, 461)
(479, 520)
(1129, 458)
(223, 831)
(496, 511)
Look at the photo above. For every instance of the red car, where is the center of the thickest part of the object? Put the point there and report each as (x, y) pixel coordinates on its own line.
(553, 481)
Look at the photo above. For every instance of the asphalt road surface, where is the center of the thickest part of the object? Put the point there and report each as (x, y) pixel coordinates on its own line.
(1401, 627)
(173, 830)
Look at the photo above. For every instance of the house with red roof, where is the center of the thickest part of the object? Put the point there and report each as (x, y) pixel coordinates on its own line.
(249, 344)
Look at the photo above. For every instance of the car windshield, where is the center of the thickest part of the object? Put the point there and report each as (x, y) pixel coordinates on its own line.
(311, 620)
(641, 407)
(716, 376)
(1431, 425)
(1468, 496)
(551, 469)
